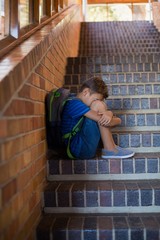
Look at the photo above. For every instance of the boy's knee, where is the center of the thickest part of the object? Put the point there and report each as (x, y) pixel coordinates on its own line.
(98, 105)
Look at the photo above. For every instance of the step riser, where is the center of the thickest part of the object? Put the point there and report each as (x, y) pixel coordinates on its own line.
(122, 78)
(133, 166)
(139, 119)
(134, 103)
(98, 228)
(116, 59)
(138, 140)
(97, 52)
(133, 89)
(103, 194)
(127, 68)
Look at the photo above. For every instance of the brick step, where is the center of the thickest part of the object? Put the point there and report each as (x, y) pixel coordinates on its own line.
(114, 41)
(98, 51)
(117, 89)
(132, 40)
(120, 29)
(138, 102)
(112, 68)
(141, 166)
(134, 89)
(71, 80)
(102, 196)
(120, 46)
(115, 59)
(98, 227)
(110, 38)
(139, 118)
(112, 33)
(138, 141)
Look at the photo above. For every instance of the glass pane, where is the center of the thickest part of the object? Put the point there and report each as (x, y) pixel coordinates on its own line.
(119, 12)
(54, 5)
(42, 7)
(2, 19)
(96, 13)
(24, 13)
(142, 11)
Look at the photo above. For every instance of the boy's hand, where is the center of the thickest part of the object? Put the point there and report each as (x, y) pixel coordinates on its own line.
(105, 118)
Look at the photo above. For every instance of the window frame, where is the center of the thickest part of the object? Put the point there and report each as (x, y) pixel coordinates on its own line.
(17, 34)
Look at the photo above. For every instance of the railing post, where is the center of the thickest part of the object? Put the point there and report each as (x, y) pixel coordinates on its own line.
(84, 9)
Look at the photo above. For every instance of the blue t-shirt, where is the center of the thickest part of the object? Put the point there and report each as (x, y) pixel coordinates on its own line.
(73, 110)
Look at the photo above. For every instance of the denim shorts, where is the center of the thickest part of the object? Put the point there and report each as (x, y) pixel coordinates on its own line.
(84, 144)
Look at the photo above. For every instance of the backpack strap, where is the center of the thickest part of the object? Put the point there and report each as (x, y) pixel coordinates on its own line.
(74, 131)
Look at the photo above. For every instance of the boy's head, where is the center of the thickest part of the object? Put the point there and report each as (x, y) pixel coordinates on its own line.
(95, 85)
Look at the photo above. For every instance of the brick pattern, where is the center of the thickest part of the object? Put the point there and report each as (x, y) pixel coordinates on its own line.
(27, 73)
(115, 59)
(111, 68)
(136, 139)
(134, 89)
(97, 165)
(123, 41)
(140, 119)
(100, 227)
(122, 78)
(102, 194)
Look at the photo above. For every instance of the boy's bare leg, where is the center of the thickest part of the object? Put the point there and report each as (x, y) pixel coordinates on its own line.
(107, 138)
(106, 134)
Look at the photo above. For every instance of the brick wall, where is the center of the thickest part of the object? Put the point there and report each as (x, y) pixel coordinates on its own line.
(156, 14)
(26, 75)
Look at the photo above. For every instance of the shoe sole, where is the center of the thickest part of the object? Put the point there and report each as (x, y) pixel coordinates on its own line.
(115, 157)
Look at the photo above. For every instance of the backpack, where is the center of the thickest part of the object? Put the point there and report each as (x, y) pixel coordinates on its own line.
(54, 103)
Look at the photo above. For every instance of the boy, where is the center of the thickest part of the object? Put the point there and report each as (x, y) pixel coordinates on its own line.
(96, 124)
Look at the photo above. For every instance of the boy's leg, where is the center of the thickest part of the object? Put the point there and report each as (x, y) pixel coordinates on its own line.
(110, 150)
(84, 144)
(106, 135)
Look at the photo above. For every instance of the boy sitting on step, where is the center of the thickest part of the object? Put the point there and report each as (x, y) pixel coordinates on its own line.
(97, 122)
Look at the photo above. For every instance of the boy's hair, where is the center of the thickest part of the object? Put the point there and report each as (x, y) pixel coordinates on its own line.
(96, 85)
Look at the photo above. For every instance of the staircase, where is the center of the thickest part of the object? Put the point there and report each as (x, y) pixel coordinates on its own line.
(112, 199)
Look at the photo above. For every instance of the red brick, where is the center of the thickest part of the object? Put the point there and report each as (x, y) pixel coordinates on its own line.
(13, 147)
(19, 107)
(3, 128)
(4, 173)
(23, 178)
(15, 165)
(115, 166)
(25, 91)
(11, 230)
(8, 191)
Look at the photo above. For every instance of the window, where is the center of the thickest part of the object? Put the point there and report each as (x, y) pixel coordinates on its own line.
(42, 7)
(54, 6)
(18, 17)
(4, 18)
(24, 13)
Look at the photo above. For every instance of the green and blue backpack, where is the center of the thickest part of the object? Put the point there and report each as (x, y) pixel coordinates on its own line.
(54, 103)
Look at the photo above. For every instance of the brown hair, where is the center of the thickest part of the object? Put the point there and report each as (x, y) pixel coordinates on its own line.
(96, 85)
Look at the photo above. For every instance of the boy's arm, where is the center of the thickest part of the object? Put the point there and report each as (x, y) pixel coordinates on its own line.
(105, 119)
(102, 118)
(114, 121)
